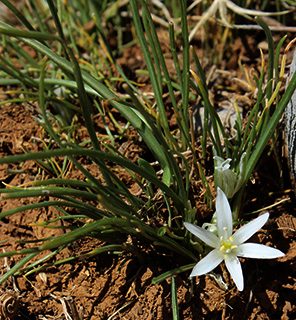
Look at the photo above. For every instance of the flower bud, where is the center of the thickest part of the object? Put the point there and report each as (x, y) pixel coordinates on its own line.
(227, 179)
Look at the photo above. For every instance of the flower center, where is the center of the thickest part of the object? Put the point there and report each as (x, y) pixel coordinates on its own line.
(226, 245)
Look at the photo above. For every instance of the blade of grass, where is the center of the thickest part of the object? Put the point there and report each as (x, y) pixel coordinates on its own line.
(175, 306)
(172, 272)
(17, 266)
(18, 14)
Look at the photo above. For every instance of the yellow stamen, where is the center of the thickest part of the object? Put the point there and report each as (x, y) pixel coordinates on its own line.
(226, 244)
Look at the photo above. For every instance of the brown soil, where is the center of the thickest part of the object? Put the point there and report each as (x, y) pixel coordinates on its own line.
(104, 287)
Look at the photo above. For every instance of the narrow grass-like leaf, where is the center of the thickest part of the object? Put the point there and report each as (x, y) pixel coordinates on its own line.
(175, 306)
(105, 249)
(17, 266)
(270, 52)
(102, 155)
(172, 272)
(47, 191)
(273, 122)
(58, 25)
(89, 210)
(13, 32)
(185, 38)
(175, 54)
(151, 69)
(18, 14)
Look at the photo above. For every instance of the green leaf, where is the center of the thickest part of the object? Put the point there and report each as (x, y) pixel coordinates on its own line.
(166, 177)
(146, 166)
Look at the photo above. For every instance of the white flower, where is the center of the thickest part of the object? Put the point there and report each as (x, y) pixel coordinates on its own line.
(227, 179)
(228, 246)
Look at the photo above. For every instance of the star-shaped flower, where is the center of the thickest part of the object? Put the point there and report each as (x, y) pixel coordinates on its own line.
(228, 246)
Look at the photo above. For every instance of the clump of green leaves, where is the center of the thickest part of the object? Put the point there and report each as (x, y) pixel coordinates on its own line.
(106, 207)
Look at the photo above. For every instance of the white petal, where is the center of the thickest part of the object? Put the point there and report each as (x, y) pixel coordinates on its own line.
(222, 164)
(247, 230)
(209, 238)
(224, 215)
(258, 251)
(208, 263)
(234, 267)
